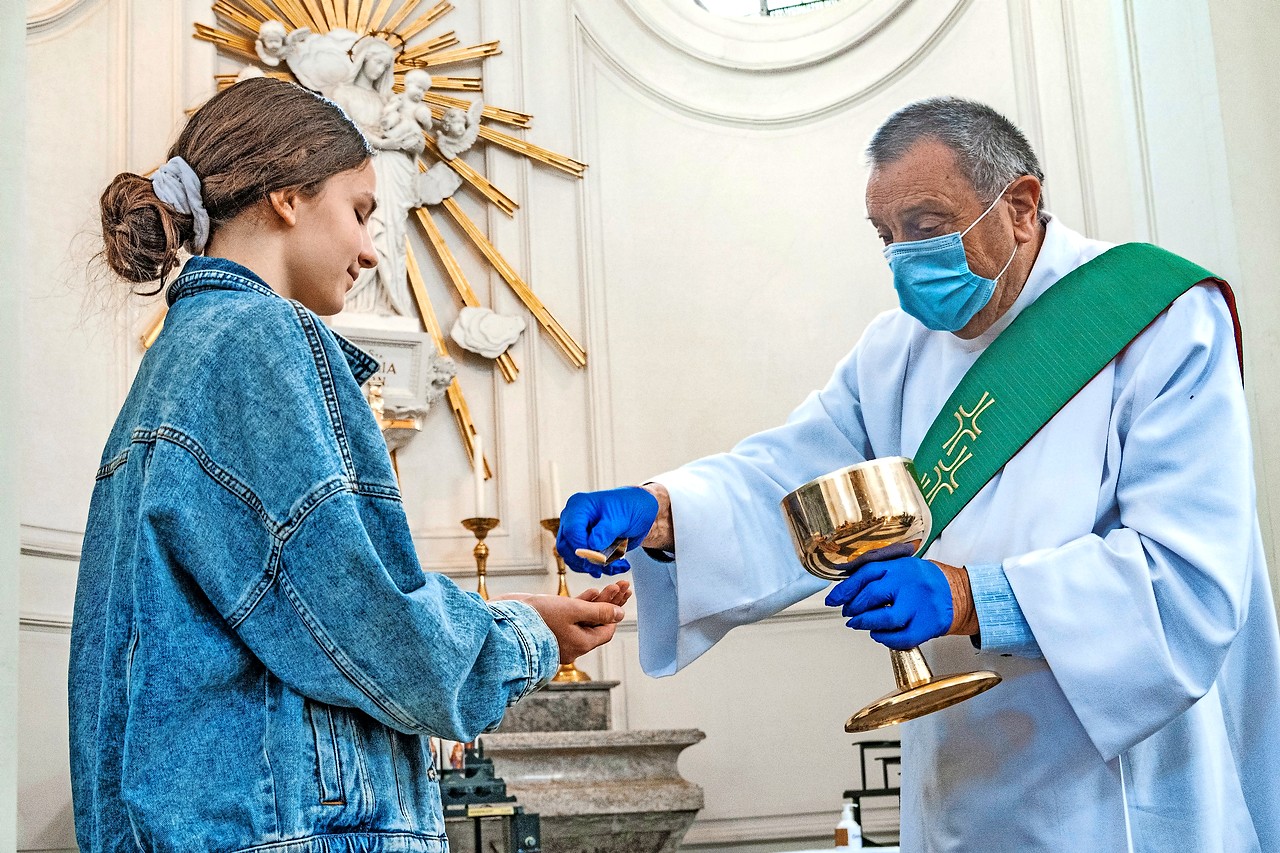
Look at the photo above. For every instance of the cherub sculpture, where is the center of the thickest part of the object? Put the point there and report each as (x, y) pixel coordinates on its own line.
(321, 62)
(405, 117)
(459, 129)
(275, 44)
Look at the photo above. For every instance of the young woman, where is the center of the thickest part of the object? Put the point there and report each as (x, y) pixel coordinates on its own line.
(258, 658)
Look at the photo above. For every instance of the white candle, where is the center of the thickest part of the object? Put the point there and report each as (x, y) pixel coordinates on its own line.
(477, 468)
(556, 503)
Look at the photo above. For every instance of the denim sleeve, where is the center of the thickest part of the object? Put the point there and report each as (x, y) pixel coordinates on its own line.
(1001, 626)
(351, 623)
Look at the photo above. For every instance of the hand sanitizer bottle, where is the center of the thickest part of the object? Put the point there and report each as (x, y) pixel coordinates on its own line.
(848, 833)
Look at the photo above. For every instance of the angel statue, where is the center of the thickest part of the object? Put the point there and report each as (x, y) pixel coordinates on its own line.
(320, 62)
(459, 129)
(274, 44)
(405, 117)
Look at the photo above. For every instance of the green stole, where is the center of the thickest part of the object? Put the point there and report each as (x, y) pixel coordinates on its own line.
(1043, 359)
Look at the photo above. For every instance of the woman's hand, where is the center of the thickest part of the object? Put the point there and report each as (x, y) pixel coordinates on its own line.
(582, 623)
(618, 592)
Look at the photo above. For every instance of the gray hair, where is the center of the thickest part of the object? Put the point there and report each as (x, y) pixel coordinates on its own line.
(990, 149)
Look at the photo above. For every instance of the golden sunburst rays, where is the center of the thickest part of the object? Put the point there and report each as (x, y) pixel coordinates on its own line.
(458, 84)
(457, 402)
(404, 24)
(571, 348)
(458, 279)
(474, 179)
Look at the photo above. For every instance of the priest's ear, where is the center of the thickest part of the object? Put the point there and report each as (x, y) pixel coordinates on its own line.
(1024, 196)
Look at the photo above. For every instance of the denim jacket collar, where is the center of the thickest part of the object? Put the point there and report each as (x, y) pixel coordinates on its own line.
(203, 272)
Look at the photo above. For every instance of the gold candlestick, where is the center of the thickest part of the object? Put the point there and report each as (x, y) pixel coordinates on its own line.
(568, 672)
(481, 527)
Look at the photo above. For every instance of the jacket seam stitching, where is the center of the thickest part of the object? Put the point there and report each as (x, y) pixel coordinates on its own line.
(339, 835)
(109, 468)
(234, 486)
(281, 537)
(266, 752)
(347, 667)
(530, 651)
(220, 475)
(367, 363)
(376, 490)
(324, 371)
(310, 503)
(180, 288)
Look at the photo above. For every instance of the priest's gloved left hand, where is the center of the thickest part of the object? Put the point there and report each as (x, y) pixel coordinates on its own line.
(906, 601)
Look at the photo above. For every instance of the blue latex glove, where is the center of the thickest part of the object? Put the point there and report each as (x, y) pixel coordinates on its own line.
(902, 602)
(596, 520)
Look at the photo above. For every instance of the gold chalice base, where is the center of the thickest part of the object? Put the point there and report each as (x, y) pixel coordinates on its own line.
(911, 702)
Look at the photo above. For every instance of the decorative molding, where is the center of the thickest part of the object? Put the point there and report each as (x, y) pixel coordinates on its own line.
(1140, 123)
(795, 91)
(1084, 169)
(51, 543)
(880, 815)
(45, 623)
(765, 44)
(56, 15)
(1045, 44)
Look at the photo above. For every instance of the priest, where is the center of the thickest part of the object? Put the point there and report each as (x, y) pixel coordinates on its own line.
(1112, 571)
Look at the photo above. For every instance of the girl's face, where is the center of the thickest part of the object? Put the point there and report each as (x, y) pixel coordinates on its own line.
(330, 244)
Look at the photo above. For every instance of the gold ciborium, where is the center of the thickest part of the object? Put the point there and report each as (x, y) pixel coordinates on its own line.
(875, 511)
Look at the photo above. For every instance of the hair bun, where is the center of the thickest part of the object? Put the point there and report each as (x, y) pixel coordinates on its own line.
(141, 235)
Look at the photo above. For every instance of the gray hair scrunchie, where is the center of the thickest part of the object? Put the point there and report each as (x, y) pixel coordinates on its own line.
(177, 185)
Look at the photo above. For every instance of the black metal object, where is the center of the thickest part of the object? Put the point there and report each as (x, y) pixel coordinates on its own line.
(474, 792)
(876, 758)
(770, 9)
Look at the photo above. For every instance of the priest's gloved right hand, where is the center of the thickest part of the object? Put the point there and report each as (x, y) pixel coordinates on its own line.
(595, 520)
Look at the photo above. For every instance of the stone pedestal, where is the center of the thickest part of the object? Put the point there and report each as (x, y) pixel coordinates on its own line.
(596, 790)
(576, 707)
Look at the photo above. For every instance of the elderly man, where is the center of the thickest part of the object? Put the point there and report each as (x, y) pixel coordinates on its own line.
(1112, 571)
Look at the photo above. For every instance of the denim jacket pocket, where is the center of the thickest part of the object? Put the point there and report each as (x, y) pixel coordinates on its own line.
(328, 754)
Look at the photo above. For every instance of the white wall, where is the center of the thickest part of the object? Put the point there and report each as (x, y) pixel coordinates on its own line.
(13, 261)
(715, 263)
(1248, 71)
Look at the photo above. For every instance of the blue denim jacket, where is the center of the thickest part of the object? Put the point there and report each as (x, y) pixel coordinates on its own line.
(257, 656)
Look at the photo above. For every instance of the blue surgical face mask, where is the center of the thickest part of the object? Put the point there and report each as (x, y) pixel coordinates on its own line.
(934, 282)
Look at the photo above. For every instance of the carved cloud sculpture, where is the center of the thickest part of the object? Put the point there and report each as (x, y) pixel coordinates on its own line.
(486, 332)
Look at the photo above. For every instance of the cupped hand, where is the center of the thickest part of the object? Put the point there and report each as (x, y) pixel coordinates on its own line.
(595, 520)
(580, 624)
(618, 592)
(902, 602)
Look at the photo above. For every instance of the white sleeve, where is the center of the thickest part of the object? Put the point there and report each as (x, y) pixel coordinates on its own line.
(734, 559)
(1136, 623)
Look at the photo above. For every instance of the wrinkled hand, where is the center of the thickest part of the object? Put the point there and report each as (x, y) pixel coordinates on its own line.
(581, 624)
(902, 602)
(596, 520)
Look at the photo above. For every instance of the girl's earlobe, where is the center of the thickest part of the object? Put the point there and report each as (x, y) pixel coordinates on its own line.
(285, 204)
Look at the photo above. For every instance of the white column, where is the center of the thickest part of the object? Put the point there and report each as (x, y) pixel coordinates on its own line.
(12, 235)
